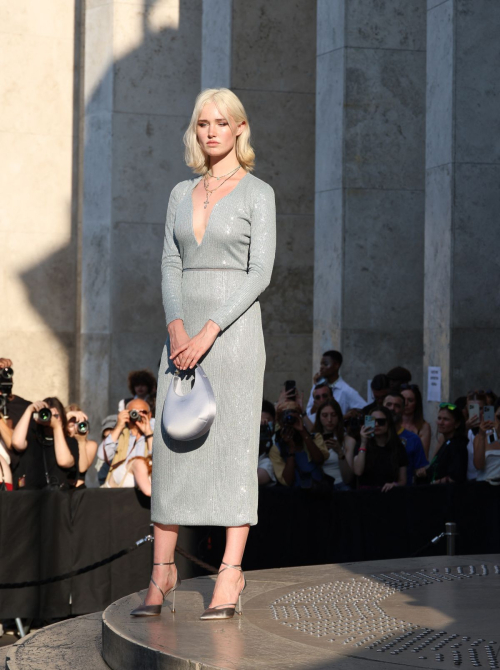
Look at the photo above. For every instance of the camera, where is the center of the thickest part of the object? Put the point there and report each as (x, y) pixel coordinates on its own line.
(6, 381)
(82, 427)
(135, 415)
(289, 418)
(266, 436)
(43, 415)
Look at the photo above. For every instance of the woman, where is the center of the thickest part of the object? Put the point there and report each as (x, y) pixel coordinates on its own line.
(5, 475)
(487, 449)
(413, 415)
(297, 456)
(449, 465)
(78, 427)
(329, 424)
(48, 456)
(381, 459)
(217, 258)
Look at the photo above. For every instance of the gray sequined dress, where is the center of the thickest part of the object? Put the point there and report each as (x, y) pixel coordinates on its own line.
(213, 480)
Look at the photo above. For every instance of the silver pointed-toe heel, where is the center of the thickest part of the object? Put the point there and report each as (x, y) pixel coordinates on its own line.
(155, 610)
(227, 610)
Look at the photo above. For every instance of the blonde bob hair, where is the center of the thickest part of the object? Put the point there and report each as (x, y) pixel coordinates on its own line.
(230, 107)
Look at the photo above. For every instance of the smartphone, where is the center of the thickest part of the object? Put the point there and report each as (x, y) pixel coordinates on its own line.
(327, 436)
(489, 413)
(289, 385)
(474, 410)
(370, 423)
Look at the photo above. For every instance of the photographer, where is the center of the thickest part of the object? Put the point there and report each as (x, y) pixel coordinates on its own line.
(131, 437)
(296, 456)
(78, 427)
(48, 456)
(487, 449)
(449, 465)
(141, 384)
(12, 408)
(330, 424)
(265, 471)
(381, 459)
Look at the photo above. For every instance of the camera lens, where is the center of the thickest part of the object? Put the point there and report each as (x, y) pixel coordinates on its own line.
(82, 428)
(44, 415)
(289, 418)
(134, 414)
(7, 373)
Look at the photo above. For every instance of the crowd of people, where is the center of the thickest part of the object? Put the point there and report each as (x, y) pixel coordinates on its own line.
(334, 441)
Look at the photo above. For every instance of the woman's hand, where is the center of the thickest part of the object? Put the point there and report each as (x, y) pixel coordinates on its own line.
(389, 486)
(178, 337)
(366, 432)
(37, 406)
(77, 416)
(486, 426)
(421, 472)
(191, 351)
(334, 445)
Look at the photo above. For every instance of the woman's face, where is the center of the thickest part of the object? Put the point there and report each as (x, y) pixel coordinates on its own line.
(215, 135)
(445, 422)
(329, 419)
(410, 402)
(381, 427)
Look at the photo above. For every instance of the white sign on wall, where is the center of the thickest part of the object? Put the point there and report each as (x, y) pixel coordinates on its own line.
(434, 384)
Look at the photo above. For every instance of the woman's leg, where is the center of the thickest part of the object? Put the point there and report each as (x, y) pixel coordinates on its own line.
(230, 582)
(164, 551)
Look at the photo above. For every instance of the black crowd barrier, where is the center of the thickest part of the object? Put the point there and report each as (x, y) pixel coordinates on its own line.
(48, 533)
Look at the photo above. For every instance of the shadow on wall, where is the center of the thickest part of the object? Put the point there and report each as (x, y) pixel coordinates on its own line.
(142, 100)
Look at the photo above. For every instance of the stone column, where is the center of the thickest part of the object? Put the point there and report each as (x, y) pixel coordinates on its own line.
(369, 215)
(142, 73)
(273, 64)
(216, 44)
(462, 304)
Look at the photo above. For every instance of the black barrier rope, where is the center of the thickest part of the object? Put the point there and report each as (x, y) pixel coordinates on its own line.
(105, 561)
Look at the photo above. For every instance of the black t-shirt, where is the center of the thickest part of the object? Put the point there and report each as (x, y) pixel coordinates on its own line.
(450, 461)
(380, 465)
(32, 464)
(16, 408)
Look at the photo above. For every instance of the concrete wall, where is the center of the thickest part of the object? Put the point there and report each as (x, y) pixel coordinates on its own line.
(462, 315)
(39, 145)
(142, 66)
(369, 245)
(273, 72)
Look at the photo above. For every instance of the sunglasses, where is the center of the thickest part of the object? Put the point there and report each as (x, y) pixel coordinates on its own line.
(447, 405)
(381, 422)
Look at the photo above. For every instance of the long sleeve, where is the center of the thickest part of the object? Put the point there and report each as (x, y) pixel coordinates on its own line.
(261, 259)
(171, 262)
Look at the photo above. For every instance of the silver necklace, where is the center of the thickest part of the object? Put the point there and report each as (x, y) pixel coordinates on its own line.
(223, 175)
(210, 191)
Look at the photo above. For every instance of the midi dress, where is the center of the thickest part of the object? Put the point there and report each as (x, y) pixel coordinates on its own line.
(212, 480)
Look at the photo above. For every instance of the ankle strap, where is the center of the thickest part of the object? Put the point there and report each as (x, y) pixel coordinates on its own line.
(236, 567)
(173, 563)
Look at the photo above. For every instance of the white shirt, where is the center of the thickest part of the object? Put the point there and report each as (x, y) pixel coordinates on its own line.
(492, 462)
(347, 397)
(472, 472)
(265, 464)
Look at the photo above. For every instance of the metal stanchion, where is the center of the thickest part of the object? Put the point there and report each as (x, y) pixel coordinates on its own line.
(451, 533)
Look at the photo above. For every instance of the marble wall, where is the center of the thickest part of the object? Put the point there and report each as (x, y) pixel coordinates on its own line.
(142, 62)
(39, 145)
(462, 301)
(369, 245)
(273, 72)
(381, 167)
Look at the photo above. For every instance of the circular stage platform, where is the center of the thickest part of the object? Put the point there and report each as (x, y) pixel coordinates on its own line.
(438, 612)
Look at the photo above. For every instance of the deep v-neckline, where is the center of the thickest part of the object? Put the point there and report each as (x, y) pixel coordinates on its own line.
(198, 244)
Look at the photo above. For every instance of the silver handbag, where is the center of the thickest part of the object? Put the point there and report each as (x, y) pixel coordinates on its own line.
(186, 417)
